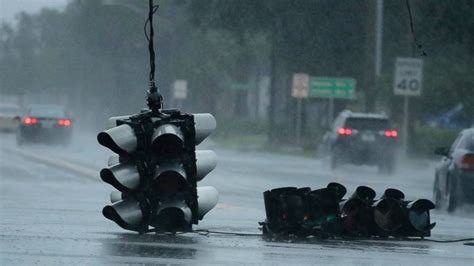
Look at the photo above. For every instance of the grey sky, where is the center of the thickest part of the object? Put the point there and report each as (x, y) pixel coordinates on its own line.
(9, 8)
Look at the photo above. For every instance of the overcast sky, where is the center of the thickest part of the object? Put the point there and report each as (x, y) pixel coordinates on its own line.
(9, 8)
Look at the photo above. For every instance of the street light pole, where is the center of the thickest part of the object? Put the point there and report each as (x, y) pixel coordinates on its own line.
(378, 38)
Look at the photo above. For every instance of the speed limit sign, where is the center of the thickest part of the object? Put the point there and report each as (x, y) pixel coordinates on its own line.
(408, 76)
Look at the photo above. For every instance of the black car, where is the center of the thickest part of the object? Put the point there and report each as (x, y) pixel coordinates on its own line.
(45, 123)
(362, 139)
(454, 176)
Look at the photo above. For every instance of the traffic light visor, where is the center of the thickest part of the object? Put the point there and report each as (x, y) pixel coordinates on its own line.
(121, 139)
(205, 124)
(123, 177)
(126, 213)
(168, 140)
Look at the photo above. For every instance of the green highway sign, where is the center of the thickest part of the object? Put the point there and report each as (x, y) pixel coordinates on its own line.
(322, 87)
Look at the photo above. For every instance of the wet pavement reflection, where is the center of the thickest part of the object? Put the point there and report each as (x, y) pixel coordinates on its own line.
(151, 245)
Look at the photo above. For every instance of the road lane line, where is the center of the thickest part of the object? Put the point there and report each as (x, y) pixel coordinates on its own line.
(88, 172)
(60, 163)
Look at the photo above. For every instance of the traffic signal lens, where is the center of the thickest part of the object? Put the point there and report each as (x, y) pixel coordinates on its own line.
(170, 183)
(168, 145)
(171, 220)
(388, 215)
(293, 207)
(419, 220)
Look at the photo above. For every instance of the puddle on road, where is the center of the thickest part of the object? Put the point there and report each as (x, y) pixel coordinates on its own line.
(152, 246)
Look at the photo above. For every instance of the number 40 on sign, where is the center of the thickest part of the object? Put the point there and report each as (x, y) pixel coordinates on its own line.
(408, 76)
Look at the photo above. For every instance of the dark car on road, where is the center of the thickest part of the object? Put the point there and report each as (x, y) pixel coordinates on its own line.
(362, 139)
(45, 123)
(454, 176)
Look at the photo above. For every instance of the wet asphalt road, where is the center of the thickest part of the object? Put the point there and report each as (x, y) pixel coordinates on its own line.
(51, 201)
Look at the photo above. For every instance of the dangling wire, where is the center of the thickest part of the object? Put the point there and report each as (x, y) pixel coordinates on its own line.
(412, 28)
(149, 21)
(155, 99)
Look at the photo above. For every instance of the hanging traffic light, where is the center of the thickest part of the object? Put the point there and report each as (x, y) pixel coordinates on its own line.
(157, 170)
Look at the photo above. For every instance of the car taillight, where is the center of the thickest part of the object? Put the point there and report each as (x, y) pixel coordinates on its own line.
(30, 120)
(344, 131)
(467, 162)
(64, 122)
(391, 133)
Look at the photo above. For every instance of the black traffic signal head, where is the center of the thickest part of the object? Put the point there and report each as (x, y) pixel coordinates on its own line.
(274, 209)
(323, 212)
(388, 212)
(417, 218)
(356, 211)
(388, 216)
(323, 209)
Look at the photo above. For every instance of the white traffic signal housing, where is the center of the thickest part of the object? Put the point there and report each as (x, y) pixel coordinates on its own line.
(156, 169)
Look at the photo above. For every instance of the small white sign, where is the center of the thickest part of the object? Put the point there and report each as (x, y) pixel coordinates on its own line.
(408, 76)
(300, 88)
(180, 89)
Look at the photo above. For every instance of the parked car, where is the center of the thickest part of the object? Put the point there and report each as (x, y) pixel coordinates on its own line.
(454, 176)
(362, 139)
(8, 114)
(45, 123)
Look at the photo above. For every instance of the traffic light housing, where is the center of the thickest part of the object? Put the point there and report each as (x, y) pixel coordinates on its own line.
(156, 169)
(356, 211)
(323, 212)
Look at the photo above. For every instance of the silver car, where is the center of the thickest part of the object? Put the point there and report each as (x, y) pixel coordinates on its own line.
(454, 176)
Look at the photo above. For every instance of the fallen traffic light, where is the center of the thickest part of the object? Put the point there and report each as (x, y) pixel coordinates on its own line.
(417, 218)
(275, 210)
(323, 212)
(388, 213)
(356, 211)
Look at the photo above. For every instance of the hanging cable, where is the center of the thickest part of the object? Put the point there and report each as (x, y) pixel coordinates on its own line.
(149, 21)
(155, 99)
(412, 28)
(206, 232)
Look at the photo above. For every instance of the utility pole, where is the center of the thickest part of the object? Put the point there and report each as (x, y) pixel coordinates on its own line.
(378, 39)
(374, 42)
